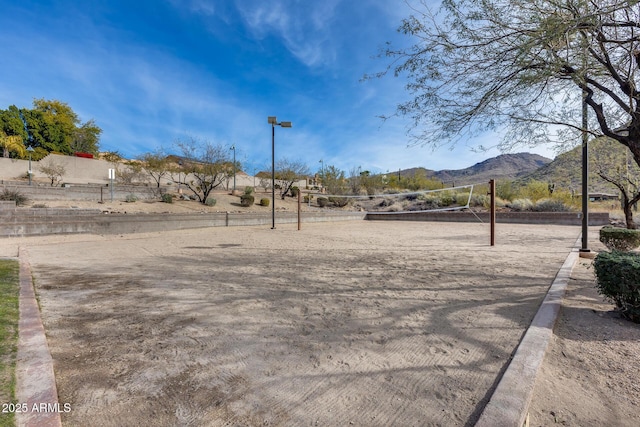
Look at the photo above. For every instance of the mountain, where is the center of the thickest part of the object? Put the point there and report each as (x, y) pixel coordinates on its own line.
(504, 166)
(566, 169)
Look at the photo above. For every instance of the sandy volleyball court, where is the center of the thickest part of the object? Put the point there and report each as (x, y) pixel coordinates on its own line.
(358, 323)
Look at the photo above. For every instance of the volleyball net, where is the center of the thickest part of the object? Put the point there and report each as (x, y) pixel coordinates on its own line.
(446, 199)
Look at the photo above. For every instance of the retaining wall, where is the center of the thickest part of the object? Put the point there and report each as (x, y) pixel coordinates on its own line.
(32, 221)
(558, 218)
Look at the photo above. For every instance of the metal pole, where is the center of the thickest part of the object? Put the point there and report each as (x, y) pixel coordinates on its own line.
(29, 168)
(234, 167)
(299, 208)
(585, 170)
(492, 192)
(273, 176)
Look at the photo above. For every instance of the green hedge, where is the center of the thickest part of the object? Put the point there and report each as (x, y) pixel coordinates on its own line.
(618, 276)
(619, 239)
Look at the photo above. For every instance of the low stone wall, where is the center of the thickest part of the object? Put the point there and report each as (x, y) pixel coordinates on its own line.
(91, 192)
(31, 222)
(557, 218)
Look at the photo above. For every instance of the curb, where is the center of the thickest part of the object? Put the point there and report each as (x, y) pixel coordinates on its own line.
(509, 404)
(36, 393)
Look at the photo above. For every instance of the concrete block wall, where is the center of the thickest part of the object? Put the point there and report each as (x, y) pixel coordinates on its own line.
(80, 170)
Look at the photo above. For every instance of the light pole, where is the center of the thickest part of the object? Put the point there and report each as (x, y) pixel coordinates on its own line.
(274, 122)
(30, 150)
(233, 147)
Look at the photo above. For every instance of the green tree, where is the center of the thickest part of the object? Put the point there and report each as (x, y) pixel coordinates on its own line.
(11, 123)
(54, 126)
(86, 138)
(522, 66)
(333, 180)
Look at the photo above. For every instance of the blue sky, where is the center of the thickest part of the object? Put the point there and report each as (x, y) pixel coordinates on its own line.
(153, 71)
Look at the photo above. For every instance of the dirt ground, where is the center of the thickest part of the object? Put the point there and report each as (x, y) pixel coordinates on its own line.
(590, 373)
(371, 324)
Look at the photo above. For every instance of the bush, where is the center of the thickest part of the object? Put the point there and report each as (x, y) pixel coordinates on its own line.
(521, 205)
(167, 198)
(264, 201)
(294, 191)
(14, 195)
(322, 201)
(308, 198)
(248, 190)
(339, 201)
(131, 198)
(246, 200)
(619, 239)
(551, 205)
(618, 276)
(210, 201)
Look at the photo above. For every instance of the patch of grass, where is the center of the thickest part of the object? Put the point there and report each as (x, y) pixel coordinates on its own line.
(9, 292)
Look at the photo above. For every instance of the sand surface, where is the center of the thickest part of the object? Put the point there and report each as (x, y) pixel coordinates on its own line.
(370, 324)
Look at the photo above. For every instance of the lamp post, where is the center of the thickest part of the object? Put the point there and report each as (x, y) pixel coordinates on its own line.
(233, 147)
(30, 150)
(274, 122)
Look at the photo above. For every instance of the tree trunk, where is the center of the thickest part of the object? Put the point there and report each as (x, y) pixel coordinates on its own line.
(628, 216)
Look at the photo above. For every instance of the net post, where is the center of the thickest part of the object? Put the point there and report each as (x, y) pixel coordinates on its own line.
(299, 206)
(492, 193)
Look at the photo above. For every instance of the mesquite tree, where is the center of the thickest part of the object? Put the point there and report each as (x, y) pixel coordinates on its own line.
(205, 167)
(522, 68)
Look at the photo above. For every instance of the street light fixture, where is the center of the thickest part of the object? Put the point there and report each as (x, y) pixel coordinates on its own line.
(30, 150)
(233, 147)
(274, 122)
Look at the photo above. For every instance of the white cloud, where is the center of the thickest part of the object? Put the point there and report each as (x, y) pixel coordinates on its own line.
(304, 27)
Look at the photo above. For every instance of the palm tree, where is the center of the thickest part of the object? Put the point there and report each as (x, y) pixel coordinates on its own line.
(11, 143)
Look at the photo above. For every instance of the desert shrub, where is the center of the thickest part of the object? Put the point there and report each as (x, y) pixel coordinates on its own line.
(248, 190)
(339, 201)
(246, 200)
(294, 191)
(535, 190)
(322, 201)
(167, 198)
(131, 198)
(264, 201)
(308, 198)
(39, 206)
(447, 199)
(210, 201)
(619, 239)
(480, 200)
(396, 207)
(501, 203)
(14, 195)
(551, 205)
(521, 205)
(430, 200)
(618, 276)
